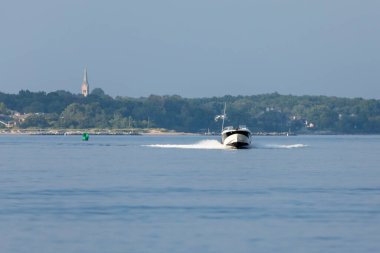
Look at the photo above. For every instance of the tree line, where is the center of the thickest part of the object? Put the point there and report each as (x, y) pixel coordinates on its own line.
(261, 113)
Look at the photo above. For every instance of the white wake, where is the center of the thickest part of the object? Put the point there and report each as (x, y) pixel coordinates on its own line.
(214, 144)
(280, 146)
(205, 144)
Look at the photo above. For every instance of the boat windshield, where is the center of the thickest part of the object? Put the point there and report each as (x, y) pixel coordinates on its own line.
(229, 128)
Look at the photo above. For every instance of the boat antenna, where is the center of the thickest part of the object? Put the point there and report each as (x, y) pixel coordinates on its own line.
(224, 115)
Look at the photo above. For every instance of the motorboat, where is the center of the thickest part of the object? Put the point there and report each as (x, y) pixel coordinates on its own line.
(239, 137)
(235, 137)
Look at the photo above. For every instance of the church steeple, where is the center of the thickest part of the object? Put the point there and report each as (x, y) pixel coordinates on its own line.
(85, 85)
(85, 75)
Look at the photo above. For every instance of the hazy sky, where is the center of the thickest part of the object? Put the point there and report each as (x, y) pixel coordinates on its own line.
(196, 48)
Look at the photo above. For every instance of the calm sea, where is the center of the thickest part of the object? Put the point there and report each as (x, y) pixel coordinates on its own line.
(187, 194)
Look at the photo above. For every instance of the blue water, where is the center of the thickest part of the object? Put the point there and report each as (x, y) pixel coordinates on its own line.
(188, 194)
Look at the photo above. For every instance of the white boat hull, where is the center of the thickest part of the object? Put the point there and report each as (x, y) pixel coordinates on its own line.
(239, 137)
(237, 140)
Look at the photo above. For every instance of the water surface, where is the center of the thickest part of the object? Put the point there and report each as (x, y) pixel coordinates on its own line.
(189, 194)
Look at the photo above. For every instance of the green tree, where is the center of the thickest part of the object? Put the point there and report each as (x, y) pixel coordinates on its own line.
(3, 109)
(83, 116)
(35, 120)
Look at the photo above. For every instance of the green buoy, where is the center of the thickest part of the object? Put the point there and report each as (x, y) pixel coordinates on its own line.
(85, 136)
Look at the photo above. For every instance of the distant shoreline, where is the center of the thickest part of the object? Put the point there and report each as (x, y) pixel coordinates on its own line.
(148, 132)
(91, 131)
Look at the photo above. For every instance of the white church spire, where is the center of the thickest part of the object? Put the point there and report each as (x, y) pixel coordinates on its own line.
(85, 75)
(85, 85)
